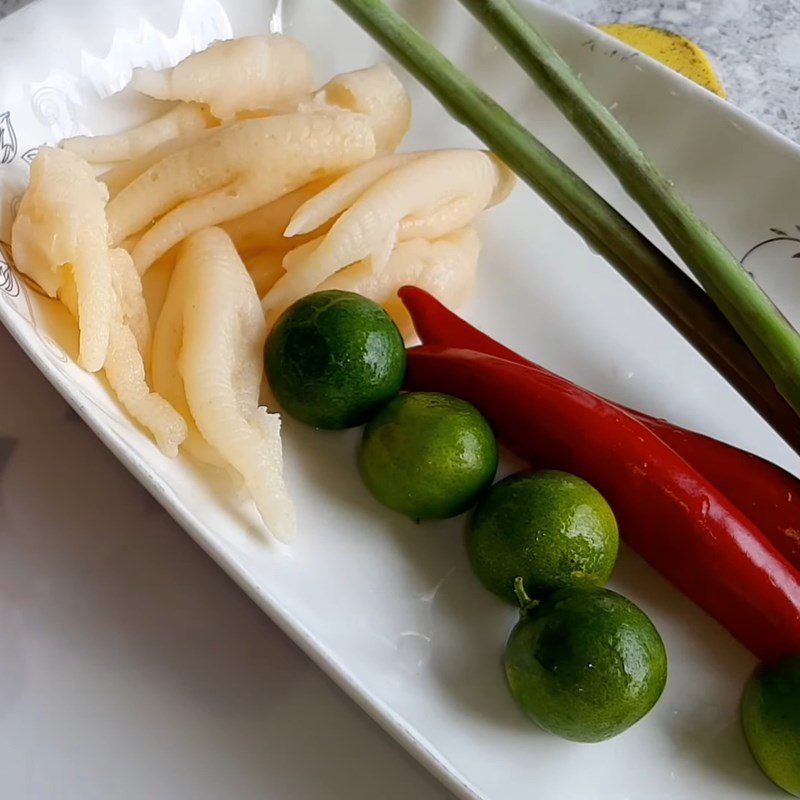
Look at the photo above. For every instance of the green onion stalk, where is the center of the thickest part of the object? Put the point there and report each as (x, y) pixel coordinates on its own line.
(673, 293)
(768, 334)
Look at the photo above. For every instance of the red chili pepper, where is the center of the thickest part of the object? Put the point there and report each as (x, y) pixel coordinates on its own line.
(766, 493)
(667, 511)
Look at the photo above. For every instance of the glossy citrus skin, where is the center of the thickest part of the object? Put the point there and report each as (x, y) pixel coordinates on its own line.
(552, 529)
(333, 358)
(585, 664)
(671, 49)
(771, 721)
(428, 455)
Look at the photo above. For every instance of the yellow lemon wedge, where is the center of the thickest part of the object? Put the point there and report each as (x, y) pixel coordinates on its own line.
(671, 49)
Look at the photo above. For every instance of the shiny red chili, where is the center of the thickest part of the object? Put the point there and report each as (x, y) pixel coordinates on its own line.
(667, 511)
(766, 493)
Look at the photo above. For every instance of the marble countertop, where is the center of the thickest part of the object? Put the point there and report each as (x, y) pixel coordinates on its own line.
(130, 665)
(755, 45)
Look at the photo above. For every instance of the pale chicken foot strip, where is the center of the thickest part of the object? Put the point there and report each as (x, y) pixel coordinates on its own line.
(233, 171)
(254, 72)
(61, 223)
(185, 119)
(220, 361)
(371, 225)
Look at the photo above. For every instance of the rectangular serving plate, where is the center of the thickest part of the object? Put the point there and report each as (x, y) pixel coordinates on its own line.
(387, 608)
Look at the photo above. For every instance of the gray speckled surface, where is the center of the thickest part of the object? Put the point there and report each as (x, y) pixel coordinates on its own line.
(754, 43)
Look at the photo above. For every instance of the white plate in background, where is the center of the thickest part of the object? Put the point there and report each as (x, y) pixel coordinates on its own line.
(390, 609)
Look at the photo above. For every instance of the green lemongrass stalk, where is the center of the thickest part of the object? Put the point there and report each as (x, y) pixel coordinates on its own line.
(768, 334)
(681, 301)
(660, 281)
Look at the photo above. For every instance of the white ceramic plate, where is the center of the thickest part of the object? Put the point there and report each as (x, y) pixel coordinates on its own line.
(389, 609)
